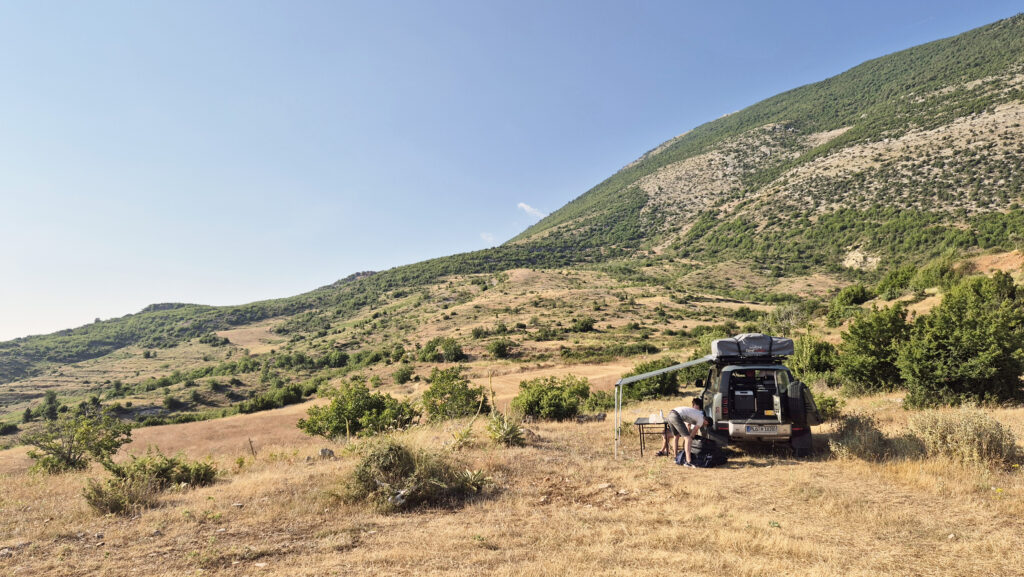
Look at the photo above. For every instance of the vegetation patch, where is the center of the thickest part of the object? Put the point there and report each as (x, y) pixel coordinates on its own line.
(967, 435)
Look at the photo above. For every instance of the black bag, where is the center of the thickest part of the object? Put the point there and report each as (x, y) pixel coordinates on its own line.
(704, 453)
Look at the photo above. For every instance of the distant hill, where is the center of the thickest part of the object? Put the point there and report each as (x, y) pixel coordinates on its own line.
(899, 160)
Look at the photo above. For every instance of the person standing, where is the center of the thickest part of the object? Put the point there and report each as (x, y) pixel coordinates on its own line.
(683, 422)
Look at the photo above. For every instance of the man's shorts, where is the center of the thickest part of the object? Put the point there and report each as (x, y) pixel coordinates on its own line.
(677, 425)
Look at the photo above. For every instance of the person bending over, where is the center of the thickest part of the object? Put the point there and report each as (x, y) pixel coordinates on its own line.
(683, 422)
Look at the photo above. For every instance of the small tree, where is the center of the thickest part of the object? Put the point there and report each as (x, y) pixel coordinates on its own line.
(355, 410)
(70, 442)
(501, 348)
(813, 355)
(867, 355)
(451, 396)
(969, 348)
(555, 398)
(441, 349)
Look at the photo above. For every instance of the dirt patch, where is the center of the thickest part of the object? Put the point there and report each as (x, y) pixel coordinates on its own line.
(257, 338)
(1008, 262)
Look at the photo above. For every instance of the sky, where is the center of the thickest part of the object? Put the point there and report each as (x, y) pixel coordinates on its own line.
(223, 152)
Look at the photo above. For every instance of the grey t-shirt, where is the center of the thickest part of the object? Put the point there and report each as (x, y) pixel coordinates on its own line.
(690, 415)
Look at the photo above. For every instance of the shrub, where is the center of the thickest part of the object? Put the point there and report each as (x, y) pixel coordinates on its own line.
(813, 355)
(501, 348)
(71, 441)
(969, 347)
(441, 349)
(393, 478)
(451, 396)
(582, 325)
(599, 401)
(868, 353)
(121, 496)
(504, 430)
(166, 471)
(830, 408)
(403, 374)
(663, 385)
(552, 397)
(845, 303)
(354, 410)
(8, 429)
(968, 435)
(896, 282)
(858, 436)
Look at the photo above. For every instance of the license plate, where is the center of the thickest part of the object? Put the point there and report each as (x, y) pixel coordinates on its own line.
(763, 429)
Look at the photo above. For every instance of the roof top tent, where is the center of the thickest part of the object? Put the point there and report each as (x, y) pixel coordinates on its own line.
(744, 349)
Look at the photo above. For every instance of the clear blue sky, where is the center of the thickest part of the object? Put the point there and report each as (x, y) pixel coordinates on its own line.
(226, 152)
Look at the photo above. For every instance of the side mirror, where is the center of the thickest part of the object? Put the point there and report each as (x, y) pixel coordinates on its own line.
(699, 383)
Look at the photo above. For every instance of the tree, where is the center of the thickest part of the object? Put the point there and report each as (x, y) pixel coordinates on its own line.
(555, 398)
(813, 355)
(441, 349)
(70, 442)
(50, 406)
(969, 348)
(450, 396)
(501, 348)
(867, 355)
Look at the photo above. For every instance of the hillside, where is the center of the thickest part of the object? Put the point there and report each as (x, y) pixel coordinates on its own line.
(903, 159)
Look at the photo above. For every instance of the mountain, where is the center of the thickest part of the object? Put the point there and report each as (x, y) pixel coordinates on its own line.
(904, 159)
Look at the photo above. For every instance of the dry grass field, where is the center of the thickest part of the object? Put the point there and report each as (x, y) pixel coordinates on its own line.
(563, 505)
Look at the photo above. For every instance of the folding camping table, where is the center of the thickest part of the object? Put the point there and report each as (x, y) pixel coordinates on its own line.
(646, 427)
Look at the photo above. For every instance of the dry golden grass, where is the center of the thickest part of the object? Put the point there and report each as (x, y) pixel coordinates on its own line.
(560, 506)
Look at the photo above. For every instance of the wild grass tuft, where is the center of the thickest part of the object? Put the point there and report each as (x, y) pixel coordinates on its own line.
(858, 436)
(967, 435)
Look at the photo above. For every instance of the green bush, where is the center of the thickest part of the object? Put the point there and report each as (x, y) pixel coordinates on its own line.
(896, 282)
(451, 396)
(582, 324)
(858, 436)
(441, 350)
(166, 471)
(829, 407)
(599, 401)
(968, 435)
(121, 496)
(403, 374)
(664, 385)
(501, 348)
(970, 348)
(394, 478)
(8, 429)
(868, 353)
(813, 355)
(556, 398)
(354, 410)
(845, 303)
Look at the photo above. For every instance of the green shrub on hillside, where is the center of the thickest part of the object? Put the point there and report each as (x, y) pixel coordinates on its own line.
(969, 348)
(555, 398)
(844, 305)
(868, 353)
(441, 350)
(812, 355)
(354, 410)
(451, 396)
(663, 385)
(72, 441)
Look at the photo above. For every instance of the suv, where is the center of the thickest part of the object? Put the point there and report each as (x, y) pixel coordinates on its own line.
(751, 396)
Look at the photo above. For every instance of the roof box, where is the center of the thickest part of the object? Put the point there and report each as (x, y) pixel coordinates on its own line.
(752, 346)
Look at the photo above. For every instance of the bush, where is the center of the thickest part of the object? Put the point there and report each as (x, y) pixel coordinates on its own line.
(552, 397)
(121, 496)
(896, 282)
(967, 435)
(72, 440)
(970, 348)
(599, 401)
(830, 408)
(845, 304)
(403, 374)
(354, 410)
(451, 396)
(166, 471)
(663, 385)
(858, 436)
(868, 353)
(582, 325)
(501, 348)
(441, 349)
(813, 355)
(504, 430)
(8, 429)
(393, 478)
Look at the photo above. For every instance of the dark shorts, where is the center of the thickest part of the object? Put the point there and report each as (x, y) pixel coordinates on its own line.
(677, 425)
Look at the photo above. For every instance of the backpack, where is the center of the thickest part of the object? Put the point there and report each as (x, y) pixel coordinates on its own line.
(704, 453)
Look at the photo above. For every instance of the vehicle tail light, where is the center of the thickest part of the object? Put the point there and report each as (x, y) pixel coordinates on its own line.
(725, 408)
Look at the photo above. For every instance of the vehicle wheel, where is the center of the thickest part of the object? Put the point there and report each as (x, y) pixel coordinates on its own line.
(801, 453)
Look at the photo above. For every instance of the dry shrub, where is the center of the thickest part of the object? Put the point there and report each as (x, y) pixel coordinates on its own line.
(122, 495)
(967, 435)
(394, 478)
(858, 436)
